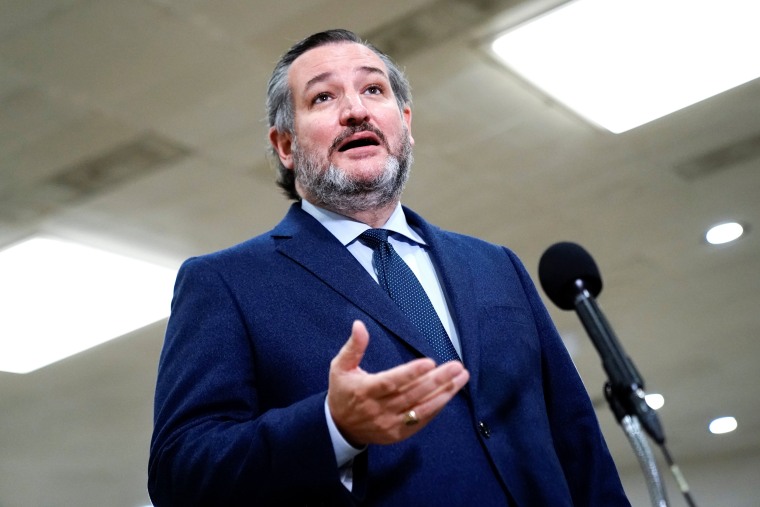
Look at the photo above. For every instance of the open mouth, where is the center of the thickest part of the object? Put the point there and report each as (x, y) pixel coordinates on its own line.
(359, 143)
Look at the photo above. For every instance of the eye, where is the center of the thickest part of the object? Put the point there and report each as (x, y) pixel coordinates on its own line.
(320, 97)
(374, 90)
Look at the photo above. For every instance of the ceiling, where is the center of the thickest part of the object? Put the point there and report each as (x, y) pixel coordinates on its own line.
(137, 126)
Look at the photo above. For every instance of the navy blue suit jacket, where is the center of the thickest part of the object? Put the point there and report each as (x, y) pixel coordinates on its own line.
(239, 411)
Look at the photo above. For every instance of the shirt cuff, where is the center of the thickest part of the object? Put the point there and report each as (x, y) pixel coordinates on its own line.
(344, 452)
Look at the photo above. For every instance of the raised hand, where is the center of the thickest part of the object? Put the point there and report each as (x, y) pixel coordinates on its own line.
(374, 408)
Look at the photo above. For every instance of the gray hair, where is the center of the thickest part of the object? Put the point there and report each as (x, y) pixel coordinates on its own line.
(280, 112)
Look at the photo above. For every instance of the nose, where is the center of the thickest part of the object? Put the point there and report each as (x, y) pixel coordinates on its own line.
(353, 111)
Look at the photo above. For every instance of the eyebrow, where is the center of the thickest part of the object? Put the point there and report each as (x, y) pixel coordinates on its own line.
(367, 69)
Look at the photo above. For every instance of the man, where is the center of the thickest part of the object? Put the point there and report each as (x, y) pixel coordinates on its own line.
(262, 401)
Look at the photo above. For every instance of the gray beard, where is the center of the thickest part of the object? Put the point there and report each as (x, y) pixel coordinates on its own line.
(334, 189)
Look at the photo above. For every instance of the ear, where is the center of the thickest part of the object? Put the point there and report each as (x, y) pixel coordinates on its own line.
(282, 144)
(407, 117)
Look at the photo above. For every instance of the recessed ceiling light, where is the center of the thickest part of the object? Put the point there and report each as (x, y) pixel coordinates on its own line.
(724, 233)
(623, 63)
(59, 298)
(723, 425)
(655, 401)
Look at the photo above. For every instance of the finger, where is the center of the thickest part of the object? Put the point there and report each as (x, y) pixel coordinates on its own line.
(427, 411)
(440, 385)
(397, 380)
(352, 352)
(432, 379)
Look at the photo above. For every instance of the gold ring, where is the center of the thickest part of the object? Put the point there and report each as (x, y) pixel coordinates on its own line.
(410, 418)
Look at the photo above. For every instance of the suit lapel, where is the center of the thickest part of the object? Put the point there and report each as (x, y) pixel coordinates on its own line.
(301, 238)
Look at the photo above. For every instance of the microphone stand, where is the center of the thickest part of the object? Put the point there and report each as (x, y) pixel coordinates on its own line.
(637, 438)
(625, 394)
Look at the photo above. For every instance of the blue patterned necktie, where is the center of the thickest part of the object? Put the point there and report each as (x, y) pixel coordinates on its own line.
(399, 281)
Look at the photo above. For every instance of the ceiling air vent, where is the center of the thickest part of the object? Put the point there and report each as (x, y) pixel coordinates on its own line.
(720, 159)
(434, 23)
(146, 153)
(123, 163)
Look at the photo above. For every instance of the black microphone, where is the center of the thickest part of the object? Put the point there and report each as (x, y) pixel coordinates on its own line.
(571, 279)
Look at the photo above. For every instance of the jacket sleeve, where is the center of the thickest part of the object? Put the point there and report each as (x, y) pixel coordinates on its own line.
(587, 464)
(213, 443)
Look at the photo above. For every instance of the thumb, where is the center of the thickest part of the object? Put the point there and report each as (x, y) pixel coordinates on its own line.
(352, 352)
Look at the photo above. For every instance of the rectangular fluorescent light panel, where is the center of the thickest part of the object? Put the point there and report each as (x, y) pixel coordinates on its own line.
(59, 298)
(622, 63)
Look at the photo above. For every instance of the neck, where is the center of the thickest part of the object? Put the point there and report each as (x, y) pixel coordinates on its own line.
(374, 218)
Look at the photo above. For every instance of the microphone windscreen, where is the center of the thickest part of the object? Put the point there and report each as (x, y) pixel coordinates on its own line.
(560, 266)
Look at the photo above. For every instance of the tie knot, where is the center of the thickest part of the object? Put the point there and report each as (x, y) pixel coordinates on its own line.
(375, 237)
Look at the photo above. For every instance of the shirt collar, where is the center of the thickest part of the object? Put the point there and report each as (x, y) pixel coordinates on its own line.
(347, 229)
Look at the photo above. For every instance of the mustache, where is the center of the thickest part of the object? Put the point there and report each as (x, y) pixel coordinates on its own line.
(365, 126)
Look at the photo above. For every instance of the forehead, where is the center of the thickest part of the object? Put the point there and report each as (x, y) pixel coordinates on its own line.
(332, 59)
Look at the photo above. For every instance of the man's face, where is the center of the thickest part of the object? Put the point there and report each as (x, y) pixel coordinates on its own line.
(351, 140)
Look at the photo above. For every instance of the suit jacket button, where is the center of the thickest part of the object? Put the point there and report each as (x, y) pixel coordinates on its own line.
(485, 431)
